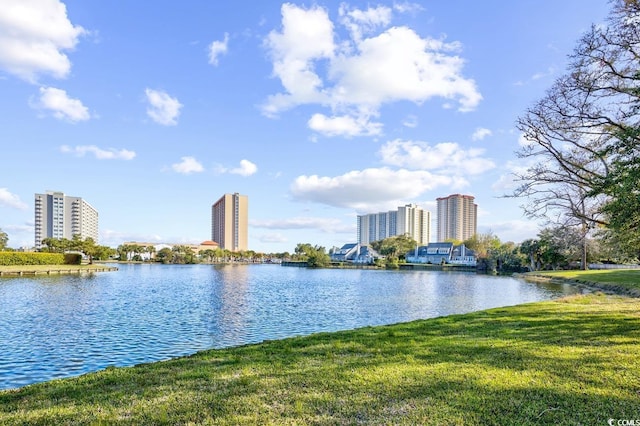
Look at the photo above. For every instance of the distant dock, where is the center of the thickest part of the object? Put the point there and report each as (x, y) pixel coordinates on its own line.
(52, 270)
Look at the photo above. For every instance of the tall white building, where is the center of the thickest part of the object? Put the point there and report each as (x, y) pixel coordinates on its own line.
(457, 217)
(415, 222)
(409, 219)
(376, 226)
(61, 216)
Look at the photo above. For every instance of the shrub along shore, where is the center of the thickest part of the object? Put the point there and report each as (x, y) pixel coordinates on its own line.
(574, 360)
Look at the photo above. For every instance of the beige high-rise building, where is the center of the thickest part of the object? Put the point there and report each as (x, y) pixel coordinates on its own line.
(230, 223)
(415, 222)
(457, 217)
(61, 216)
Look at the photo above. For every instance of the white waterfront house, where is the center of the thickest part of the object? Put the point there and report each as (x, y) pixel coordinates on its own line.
(442, 253)
(354, 253)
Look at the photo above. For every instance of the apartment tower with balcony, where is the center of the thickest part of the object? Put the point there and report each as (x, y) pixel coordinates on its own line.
(406, 220)
(61, 216)
(229, 222)
(457, 217)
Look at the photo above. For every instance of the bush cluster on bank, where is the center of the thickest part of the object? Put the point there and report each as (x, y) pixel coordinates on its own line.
(10, 258)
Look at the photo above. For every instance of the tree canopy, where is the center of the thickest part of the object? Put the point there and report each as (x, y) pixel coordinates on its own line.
(483, 244)
(395, 247)
(4, 239)
(581, 140)
(315, 256)
(87, 246)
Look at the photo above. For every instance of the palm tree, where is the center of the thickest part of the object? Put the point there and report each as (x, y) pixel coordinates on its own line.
(151, 250)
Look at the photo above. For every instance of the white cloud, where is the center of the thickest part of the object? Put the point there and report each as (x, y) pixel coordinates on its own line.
(307, 35)
(523, 141)
(537, 76)
(514, 230)
(217, 48)
(506, 183)
(421, 168)
(344, 125)
(247, 168)
(99, 153)
(360, 22)
(447, 157)
(411, 121)
(481, 133)
(370, 188)
(8, 199)
(365, 72)
(62, 106)
(400, 65)
(187, 166)
(274, 237)
(540, 75)
(114, 238)
(406, 7)
(163, 109)
(20, 235)
(34, 35)
(330, 225)
(19, 228)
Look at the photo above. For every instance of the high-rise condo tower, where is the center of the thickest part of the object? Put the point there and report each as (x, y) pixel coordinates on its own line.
(457, 217)
(229, 222)
(61, 216)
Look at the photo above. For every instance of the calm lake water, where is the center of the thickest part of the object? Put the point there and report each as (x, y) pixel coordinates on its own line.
(61, 326)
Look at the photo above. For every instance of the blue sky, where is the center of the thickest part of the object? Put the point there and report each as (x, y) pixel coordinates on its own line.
(317, 111)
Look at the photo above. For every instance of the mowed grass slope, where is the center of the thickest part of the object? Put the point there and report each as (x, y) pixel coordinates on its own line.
(570, 361)
(616, 280)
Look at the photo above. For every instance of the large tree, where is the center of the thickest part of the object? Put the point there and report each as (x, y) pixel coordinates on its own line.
(483, 244)
(4, 239)
(582, 134)
(395, 248)
(315, 256)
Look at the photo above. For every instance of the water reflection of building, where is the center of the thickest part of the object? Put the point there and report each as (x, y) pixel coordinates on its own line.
(231, 309)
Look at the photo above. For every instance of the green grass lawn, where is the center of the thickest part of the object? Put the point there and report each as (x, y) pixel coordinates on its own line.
(627, 280)
(573, 361)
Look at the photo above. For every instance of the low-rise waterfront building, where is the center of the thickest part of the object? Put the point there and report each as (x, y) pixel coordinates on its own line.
(442, 253)
(355, 253)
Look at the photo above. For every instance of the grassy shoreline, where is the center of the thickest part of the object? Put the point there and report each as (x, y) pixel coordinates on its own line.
(569, 361)
(623, 282)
